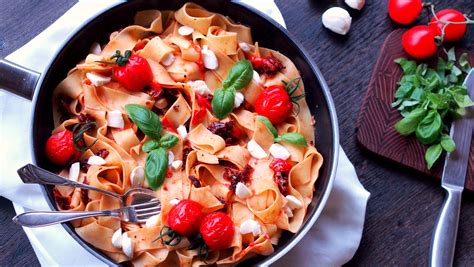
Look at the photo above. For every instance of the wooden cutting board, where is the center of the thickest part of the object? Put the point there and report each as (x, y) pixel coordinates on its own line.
(375, 125)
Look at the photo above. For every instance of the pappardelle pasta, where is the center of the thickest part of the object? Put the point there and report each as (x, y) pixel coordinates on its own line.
(186, 103)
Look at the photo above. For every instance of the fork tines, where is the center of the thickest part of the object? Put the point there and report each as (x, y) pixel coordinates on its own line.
(143, 211)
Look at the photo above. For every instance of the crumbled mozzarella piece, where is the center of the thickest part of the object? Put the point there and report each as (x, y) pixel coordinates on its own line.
(74, 171)
(209, 58)
(238, 99)
(170, 157)
(97, 79)
(176, 165)
(168, 59)
(96, 160)
(95, 48)
(185, 30)
(115, 119)
(152, 221)
(174, 201)
(137, 176)
(117, 239)
(127, 245)
(182, 131)
(256, 150)
(288, 212)
(244, 46)
(242, 191)
(293, 202)
(199, 87)
(355, 4)
(256, 77)
(250, 226)
(279, 152)
(337, 20)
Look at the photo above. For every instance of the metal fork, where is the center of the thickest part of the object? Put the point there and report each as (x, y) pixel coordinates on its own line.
(137, 213)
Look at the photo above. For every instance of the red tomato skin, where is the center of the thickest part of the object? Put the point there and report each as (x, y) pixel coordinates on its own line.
(280, 165)
(185, 217)
(217, 230)
(453, 32)
(404, 11)
(419, 42)
(60, 148)
(274, 103)
(134, 75)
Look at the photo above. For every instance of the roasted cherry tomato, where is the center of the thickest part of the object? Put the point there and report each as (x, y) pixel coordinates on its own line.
(280, 165)
(135, 74)
(60, 148)
(274, 103)
(452, 32)
(269, 65)
(404, 11)
(419, 42)
(217, 230)
(185, 217)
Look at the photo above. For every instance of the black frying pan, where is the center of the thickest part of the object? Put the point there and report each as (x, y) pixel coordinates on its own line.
(39, 88)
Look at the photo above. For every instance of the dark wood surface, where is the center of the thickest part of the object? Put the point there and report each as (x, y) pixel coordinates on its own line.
(403, 207)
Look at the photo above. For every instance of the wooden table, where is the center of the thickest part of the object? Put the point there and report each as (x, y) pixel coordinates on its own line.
(403, 207)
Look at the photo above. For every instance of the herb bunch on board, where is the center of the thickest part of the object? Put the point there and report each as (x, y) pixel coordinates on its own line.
(429, 99)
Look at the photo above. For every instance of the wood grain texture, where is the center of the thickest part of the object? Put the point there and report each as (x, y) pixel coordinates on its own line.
(375, 124)
(403, 206)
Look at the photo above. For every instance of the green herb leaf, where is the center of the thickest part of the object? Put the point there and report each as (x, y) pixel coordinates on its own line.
(156, 166)
(408, 124)
(150, 145)
(269, 125)
(408, 66)
(146, 120)
(239, 75)
(447, 143)
(293, 138)
(452, 55)
(429, 128)
(168, 141)
(464, 63)
(432, 154)
(223, 102)
(463, 101)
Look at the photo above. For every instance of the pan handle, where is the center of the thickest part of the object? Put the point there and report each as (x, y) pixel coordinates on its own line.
(17, 79)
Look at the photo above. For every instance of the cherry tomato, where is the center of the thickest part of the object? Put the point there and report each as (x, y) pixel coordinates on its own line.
(280, 165)
(419, 42)
(134, 75)
(452, 32)
(269, 65)
(185, 217)
(404, 11)
(274, 103)
(217, 230)
(60, 148)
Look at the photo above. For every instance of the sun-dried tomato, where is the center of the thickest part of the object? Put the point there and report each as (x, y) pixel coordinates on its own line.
(269, 65)
(281, 179)
(228, 131)
(64, 202)
(194, 181)
(236, 176)
(103, 153)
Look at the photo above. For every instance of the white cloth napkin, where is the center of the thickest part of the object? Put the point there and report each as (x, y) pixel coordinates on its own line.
(331, 242)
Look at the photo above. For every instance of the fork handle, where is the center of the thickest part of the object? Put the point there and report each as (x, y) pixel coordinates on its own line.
(45, 218)
(31, 174)
(444, 235)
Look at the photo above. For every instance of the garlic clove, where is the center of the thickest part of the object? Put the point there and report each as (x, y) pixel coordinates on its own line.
(337, 20)
(256, 150)
(250, 226)
(95, 48)
(238, 99)
(115, 119)
(97, 79)
(355, 4)
(176, 165)
(137, 176)
(74, 171)
(117, 239)
(168, 59)
(293, 202)
(242, 191)
(170, 157)
(127, 245)
(185, 30)
(279, 152)
(182, 131)
(256, 77)
(96, 160)
(244, 46)
(152, 221)
(209, 59)
(174, 201)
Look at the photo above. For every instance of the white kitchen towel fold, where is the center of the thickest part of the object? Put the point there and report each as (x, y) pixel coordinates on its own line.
(331, 242)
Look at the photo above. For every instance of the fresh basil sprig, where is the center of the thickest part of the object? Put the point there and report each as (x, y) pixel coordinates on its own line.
(293, 138)
(429, 99)
(156, 164)
(239, 76)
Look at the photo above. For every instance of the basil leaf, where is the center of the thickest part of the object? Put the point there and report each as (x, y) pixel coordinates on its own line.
(464, 63)
(293, 138)
(408, 66)
(156, 166)
(408, 124)
(223, 102)
(168, 141)
(150, 145)
(239, 75)
(432, 154)
(146, 120)
(269, 125)
(463, 101)
(429, 128)
(452, 55)
(403, 90)
(447, 143)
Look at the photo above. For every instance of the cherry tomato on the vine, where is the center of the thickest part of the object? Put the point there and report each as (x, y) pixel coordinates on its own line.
(419, 42)
(274, 103)
(60, 148)
(452, 32)
(185, 217)
(135, 74)
(217, 230)
(404, 11)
